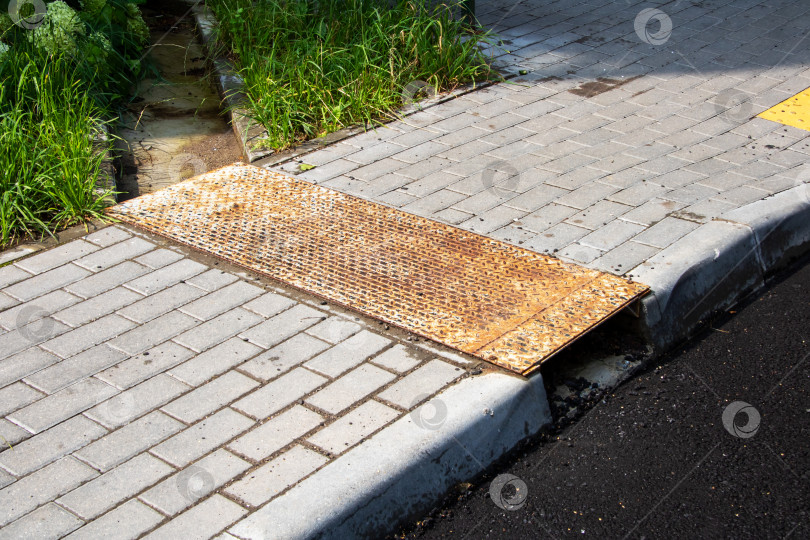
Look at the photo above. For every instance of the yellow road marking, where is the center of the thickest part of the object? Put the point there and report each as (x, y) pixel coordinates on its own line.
(794, 111)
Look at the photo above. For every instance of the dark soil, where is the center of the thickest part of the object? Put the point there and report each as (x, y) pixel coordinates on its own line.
(653, 459)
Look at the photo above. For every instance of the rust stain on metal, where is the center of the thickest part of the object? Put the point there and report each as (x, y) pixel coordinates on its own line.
(504, 304)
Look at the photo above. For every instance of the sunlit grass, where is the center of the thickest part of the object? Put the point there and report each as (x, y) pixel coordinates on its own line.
(49, 156)
(313, 67)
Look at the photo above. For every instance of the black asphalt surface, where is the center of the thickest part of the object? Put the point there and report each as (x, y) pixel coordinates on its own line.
(656, 459)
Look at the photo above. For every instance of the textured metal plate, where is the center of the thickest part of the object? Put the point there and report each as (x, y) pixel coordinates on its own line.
(507, 305)
(794, 111)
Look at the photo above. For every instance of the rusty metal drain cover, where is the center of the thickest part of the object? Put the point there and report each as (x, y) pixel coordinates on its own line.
(507, 305)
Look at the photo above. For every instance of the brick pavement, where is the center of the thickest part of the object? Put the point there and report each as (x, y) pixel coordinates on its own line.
(144, 391)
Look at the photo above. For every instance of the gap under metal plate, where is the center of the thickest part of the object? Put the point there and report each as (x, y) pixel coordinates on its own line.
(504, 304)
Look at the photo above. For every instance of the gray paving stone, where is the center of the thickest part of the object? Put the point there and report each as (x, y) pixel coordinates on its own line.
(212, 280)
(269, 304)
(75, 368)
(108, 236)
(272, 478)
(327, 172)
(214, 361)
(97, 307)
(49, 521)
(348, 354)
(536, 197)
(107, 279)
(350, 388)
(283, 326)
(161, 303)
(202, 437)
(579, 253)
(513, 234)
(139, 368)
(415, 137)
(492, 219)
(159, 258)
(419, 385)
(276, 433)
(420, 152)
(665, 232)
(556, 237)
(130, 440)
(136, 401)
(611, 235)
(210, 397)
(6, 301)
(47, 282)
(11, 274)
(452, 216)
(55, 257)
(43, 486)
(38, 308)
(353, 427)
(396, 198)
(690, 194)
(434, 203)
(117, 253)
(166, 276)
(334, 329)
(473, 147)
(86, 336)
(484, 199)
(587, 195)
(276, 395)
(31, 328)
(398, 358)
(185, 488)
(202, 521)
(704, 211)
(283, 357)
(222, 300)
(624, 258)
(153, 333)
(375, 153)
(219, 329)
(376, 170)
(638, 194)
(546, 217)
(103, 493)
(23, 364)
(50, 445)
(10, 434)
(60, 406)
(742, 195)
(10, 255)
(16, 396)
(598, 214)
(126, 522)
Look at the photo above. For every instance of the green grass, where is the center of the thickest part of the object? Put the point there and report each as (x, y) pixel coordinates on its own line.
(313, 67)
(54, 105)
(50, 162)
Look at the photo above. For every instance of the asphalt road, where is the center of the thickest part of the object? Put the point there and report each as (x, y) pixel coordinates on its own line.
(656, 458)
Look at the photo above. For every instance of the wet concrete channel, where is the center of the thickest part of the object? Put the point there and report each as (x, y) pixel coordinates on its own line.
(175, 128)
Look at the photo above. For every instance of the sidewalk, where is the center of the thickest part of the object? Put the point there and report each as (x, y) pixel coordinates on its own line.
(148, 390)
(638, 159)
(144, 386)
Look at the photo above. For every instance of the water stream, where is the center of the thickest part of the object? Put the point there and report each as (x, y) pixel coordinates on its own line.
(175, 128)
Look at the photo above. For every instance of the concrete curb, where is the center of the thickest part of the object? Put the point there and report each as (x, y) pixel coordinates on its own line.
(401, 472)
(720, 263)
(229, 85)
